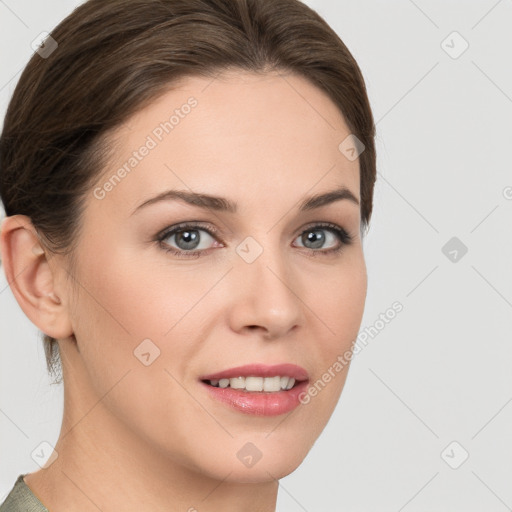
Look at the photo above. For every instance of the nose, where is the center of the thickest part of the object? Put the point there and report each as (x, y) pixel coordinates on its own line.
(266, 296)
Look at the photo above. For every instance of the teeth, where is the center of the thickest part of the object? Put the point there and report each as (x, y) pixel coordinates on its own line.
(269, 384)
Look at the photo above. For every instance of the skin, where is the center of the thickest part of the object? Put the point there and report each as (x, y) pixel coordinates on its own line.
(138, 437)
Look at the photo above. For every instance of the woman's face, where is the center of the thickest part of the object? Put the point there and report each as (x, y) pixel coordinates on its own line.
(265, 284)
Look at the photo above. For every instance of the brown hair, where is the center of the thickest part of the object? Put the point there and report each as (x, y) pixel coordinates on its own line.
(115, 57)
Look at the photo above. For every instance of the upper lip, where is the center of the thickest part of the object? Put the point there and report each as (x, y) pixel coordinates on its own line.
(261, 370)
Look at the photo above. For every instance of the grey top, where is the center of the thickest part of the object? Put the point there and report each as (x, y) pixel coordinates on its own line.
(22, 499)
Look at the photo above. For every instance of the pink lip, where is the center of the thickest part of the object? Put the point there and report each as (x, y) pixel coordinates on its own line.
(261, 370)
(259, 403)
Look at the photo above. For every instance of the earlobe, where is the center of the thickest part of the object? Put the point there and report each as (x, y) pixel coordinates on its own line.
(31, 277)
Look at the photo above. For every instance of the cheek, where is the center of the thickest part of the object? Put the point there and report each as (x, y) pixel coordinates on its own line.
(130, 298)
(125, 304)
(338, 300)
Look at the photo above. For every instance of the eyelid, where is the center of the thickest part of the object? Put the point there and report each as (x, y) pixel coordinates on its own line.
(193, 224)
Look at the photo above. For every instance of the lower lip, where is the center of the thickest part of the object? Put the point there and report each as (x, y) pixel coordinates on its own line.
(259, 403)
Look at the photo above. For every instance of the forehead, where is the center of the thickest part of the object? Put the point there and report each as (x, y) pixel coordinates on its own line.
(238, 133)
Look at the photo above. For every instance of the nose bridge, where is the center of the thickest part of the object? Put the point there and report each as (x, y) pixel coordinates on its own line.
(265, 287)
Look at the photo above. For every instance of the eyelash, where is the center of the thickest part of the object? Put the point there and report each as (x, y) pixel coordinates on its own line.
(344, 238)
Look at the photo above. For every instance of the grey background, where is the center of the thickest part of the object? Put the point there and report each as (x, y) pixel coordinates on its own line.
(440, 370)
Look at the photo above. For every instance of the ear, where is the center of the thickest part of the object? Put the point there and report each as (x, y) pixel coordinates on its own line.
(31, 278)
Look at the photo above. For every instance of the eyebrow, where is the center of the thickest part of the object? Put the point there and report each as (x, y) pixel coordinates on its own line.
(222, 204)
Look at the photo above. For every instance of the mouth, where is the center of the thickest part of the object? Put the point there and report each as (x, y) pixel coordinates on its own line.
(256, 384)
(259, 378)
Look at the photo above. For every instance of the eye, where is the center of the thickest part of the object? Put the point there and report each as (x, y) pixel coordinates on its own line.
(190, 239)
(314, 238)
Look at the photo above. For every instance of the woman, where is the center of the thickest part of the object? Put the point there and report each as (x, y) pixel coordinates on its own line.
(187, 184)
